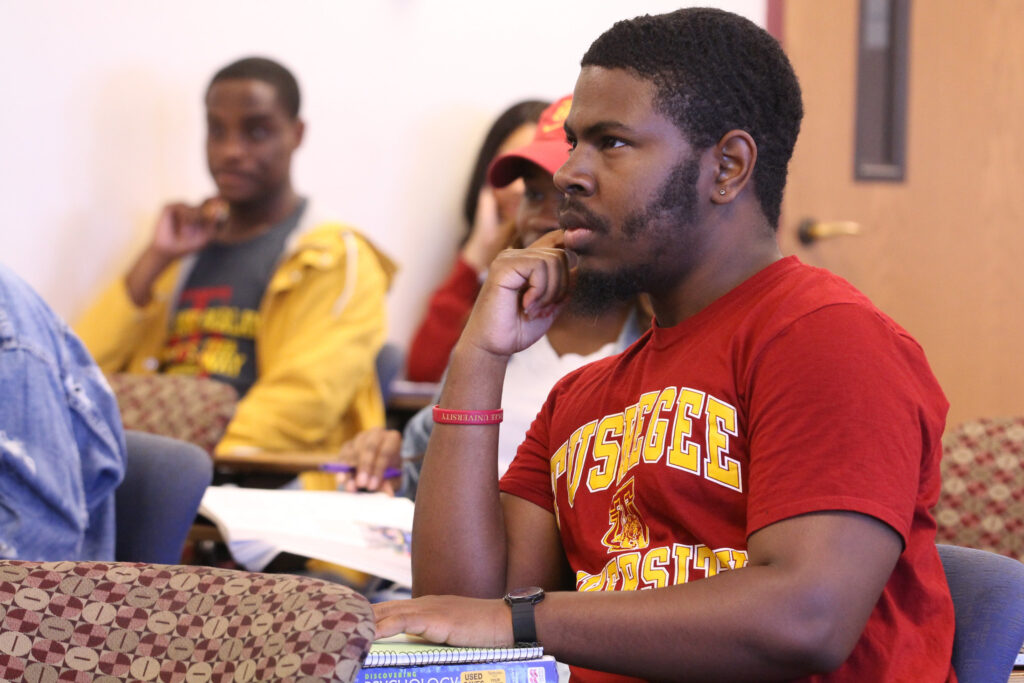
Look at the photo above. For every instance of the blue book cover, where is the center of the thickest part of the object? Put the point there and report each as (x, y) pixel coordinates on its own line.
(542, 670)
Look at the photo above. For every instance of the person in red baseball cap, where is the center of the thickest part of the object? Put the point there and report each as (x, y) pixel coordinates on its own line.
(535, 163)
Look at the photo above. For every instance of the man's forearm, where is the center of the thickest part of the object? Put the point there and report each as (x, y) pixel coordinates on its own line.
(754, 623)
(143, 274)
(799, 606)
(700, 631)
(458, 531)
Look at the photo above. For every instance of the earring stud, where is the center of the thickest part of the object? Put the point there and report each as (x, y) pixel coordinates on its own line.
(721, 191)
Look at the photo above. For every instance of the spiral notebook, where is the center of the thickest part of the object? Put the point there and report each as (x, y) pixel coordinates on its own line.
(406, 650)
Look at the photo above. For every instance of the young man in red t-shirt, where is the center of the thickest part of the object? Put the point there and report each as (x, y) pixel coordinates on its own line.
(742, 494)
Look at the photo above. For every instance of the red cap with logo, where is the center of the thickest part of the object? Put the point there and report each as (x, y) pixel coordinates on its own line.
(549, 149)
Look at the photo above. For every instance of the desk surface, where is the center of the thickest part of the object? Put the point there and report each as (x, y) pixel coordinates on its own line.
(266, 461)
(411, 396)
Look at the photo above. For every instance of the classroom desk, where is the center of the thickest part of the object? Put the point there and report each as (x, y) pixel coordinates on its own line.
(406, 398)
(274, 462)
(406, 395)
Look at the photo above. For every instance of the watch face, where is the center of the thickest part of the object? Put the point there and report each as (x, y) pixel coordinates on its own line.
(527, 593)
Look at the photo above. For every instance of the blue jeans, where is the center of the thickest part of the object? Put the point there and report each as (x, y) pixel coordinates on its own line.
(62, 450)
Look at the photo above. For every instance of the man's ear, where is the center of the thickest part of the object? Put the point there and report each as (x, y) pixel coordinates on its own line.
(736, 155)
(300, 131)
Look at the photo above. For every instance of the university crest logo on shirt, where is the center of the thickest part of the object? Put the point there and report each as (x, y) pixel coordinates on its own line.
(627, 530)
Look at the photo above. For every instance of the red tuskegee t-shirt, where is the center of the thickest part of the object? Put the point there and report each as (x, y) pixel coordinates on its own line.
(790, 394)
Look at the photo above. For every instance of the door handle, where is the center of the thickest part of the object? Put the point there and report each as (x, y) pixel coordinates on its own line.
(810, 230)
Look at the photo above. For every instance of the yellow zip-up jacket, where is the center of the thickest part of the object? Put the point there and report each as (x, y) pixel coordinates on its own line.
(322, 323)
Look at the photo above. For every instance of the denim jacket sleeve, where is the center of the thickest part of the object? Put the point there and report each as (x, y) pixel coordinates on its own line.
(62, 449)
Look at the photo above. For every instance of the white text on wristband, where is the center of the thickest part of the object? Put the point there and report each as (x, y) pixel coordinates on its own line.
(445, 416)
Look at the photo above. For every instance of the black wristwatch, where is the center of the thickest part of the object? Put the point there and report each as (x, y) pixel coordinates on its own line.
(522, 600)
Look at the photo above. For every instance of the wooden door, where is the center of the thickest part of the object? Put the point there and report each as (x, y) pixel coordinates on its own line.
(942, 252)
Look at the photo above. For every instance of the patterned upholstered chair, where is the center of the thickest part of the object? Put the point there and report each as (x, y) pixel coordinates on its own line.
(100, 622)
(191, 409)
(982, 499)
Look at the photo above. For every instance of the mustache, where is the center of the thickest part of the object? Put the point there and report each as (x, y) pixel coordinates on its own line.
(572, 213)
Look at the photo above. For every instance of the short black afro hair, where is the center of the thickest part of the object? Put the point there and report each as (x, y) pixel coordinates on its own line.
(714, 72)
(268, 71)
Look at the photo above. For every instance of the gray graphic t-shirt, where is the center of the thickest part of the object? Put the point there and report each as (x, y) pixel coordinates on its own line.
(213, 327)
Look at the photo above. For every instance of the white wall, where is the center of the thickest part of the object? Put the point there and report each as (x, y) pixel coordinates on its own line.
(102, 118)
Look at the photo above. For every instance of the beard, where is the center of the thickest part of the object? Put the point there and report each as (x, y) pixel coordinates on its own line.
(668, 218)
(674, 204)
(596, 293)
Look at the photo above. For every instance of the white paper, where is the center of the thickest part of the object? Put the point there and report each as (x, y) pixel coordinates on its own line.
(368, 532)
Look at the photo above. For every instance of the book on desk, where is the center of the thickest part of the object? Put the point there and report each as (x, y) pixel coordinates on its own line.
(407, 659)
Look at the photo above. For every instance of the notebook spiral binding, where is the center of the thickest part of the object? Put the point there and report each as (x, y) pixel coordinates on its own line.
(449, 655)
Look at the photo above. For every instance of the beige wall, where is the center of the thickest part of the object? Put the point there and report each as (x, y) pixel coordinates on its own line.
(102, 117)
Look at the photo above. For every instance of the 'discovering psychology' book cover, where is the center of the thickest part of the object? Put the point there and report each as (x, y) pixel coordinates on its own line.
(542, 670)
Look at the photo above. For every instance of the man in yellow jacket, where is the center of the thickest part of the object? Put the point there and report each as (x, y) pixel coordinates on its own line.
(248, 288)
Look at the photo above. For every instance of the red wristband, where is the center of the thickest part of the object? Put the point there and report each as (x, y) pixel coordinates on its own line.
(445, 416)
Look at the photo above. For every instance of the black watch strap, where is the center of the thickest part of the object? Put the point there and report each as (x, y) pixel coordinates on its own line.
(524, 628)
(522, 602)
